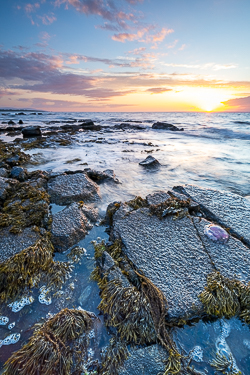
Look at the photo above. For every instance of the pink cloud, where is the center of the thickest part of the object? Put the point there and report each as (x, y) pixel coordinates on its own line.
(157, 90)
(239, 104)
(48, 19)
(30, 8)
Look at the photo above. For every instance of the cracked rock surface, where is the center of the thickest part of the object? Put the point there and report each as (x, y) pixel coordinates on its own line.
(228, 209)
(175, 254)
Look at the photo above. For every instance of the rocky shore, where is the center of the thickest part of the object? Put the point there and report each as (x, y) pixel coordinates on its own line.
(172, 257)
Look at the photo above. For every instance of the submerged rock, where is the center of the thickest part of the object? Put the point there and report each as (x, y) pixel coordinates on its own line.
(227, 209)
(149, 360)
(165, 126)
(149, 162)
(68, 188)
(108, 174)
(70, 225)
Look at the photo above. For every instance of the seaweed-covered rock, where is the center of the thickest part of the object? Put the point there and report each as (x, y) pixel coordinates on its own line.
(150, 161)
(149, 360)
(5, 184)
(158, 197)
(165, 126)
(65, 189)
(70, 225)
(227, 209)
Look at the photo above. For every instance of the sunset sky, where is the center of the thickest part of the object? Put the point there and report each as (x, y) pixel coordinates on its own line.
(125, 55)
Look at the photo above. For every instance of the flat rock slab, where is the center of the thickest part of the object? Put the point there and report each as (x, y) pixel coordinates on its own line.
(232, 259)
(65, 189)
(170, 254)
(145, 361)
(228, 209)
(70, 225)
(176, 255)
(11, 244)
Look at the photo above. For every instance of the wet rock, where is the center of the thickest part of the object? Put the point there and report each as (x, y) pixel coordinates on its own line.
(224, 208)
(20, 122)
(31, 131)
(149, 360)
(70, 225)
(14, 160)
(166, 126)
(11, 244)
(19, 173)
(11, 122)
(111, 209)
(85, 295)
(4, 172)
(90, 126)
(149, 162)
(65, 189)
(170, 254)
(108, 174)
(21, 114)
(126, 126)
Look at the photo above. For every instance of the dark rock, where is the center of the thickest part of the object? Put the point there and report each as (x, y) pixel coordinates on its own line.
(4, 186)
(11, 122)
(111, 209)
(13, 160)
(70, 225)
(31, 131)
(108, 174)
(39, 113)
(33, 113)
(149, 162)
(126, 126)
(19, 173)
(4, 172)
(20, 122)
(21, 114)
(65, 189)
(11, 244)
(135, 121)
(227, 209)
(166, 126)
(90, 126)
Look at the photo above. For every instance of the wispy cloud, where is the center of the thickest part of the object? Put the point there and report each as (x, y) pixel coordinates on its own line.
(48, 19)
(212, 66)
(157, 90)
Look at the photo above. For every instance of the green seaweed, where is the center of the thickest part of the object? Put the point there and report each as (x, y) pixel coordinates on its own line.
(50, 350)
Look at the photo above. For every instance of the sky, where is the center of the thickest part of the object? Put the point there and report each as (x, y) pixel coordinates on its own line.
(125, 55)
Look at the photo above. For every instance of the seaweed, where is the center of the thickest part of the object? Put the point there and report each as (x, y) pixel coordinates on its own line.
(50, 350)
(138, 311)
(115, 355)
(224, 365)
(9, 151)
(24, 206)
(172, 206)
(76, 254)
(137, 202)
(225, 297)
(26, 269)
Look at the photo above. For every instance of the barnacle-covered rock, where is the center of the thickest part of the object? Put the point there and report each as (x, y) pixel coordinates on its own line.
(68, 188)
(70, 225)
